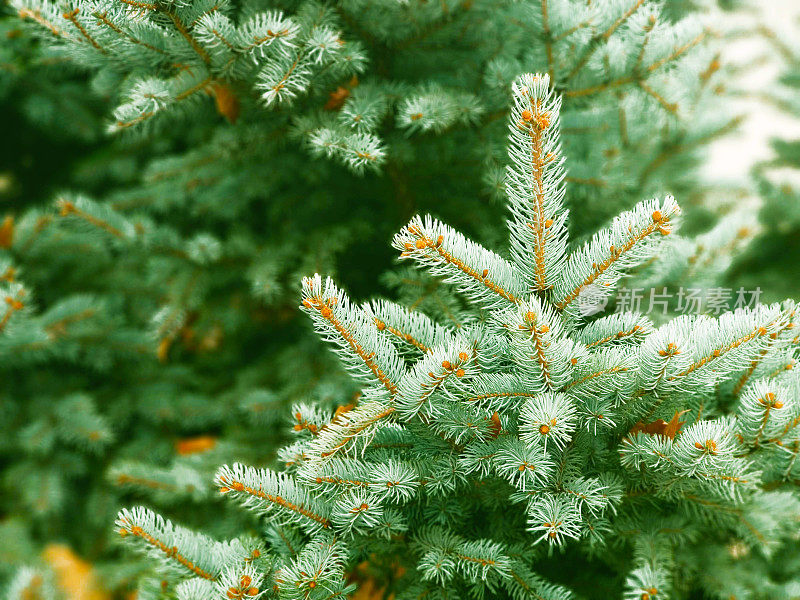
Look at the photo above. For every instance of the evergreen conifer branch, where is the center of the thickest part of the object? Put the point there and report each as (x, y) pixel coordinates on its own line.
(617, 329)
(529, 398)
(538, 342)
(361, 347)
(629, 241)
(435, 372)
(411, 328)
(174, 546)
(192, 300)
(349, 431)
(478, 272)
(536, 182)
(267, 491)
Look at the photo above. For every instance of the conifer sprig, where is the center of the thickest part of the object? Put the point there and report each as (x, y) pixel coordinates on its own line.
(536, 182)
(364, 351)
(176, 548)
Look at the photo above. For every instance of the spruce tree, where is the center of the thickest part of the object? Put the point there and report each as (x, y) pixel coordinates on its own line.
(159, 372)
(516, 448)
(152, 313)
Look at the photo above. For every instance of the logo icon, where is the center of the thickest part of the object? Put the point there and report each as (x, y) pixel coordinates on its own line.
(591, 300)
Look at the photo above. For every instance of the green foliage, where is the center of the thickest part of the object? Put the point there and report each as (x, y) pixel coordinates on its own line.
(479, 451)
(157, 304)
(778, 183)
